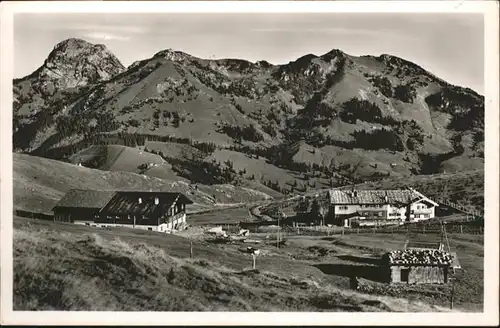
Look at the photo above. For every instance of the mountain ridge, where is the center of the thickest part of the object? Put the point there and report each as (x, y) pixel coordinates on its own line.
(380, 110)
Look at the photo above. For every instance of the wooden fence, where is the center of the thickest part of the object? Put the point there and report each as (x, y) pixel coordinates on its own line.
(34, 215)
(468, 211)
(408, 229)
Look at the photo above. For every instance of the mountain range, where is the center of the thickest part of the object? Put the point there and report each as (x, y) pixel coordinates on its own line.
(315, 122)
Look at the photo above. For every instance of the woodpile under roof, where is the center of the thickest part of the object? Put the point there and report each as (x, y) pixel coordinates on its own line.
(428, 257)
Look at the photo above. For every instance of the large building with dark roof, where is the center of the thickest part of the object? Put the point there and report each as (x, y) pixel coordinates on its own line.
(378, 207)
(156, 211)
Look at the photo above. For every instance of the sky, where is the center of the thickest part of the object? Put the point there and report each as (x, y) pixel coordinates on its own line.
(450, 46)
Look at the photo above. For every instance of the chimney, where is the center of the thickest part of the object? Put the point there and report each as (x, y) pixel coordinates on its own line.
(157, 201)
(140, 200)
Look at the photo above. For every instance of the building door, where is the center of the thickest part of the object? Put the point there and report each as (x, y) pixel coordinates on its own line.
(405, 273)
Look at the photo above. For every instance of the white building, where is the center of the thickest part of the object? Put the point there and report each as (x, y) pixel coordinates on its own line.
(147, 210)
(378, 207)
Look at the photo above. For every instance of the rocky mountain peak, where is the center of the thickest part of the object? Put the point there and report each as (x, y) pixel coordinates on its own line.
(333, 102)
(332, 54)
(76, 62)
(173, 55)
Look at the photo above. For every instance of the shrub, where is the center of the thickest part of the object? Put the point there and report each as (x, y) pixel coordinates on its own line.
(133, 122)
(269, 129)
(363, 110)
(176, 119)
(405, 93)
(205, 147)
(156, 114)
(378, 139)
(383, 84)
(373, 140)
(248, 133)
(239, 108)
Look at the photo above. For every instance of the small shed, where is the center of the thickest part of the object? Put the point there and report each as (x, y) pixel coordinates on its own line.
(419, 266)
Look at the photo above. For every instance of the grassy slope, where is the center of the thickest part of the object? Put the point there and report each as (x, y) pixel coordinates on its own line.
(39, 183)
(259, 168)
(118, 158)
(469, 248)
(173, 150)
(162, 84)
(68, 267)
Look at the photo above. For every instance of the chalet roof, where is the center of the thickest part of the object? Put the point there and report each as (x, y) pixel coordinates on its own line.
(127, 202)
(402, 196)
(427, 257)
(85, 198)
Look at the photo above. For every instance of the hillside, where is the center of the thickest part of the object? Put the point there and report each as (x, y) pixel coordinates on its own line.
(333, 115)
(116, 158)
(130, 270)
(71, 69)
(39, 183)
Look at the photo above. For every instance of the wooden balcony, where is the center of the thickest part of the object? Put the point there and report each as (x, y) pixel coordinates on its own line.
(173, 218)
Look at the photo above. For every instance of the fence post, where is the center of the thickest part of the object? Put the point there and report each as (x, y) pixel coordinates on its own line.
(357, 230)
(190, 248)
(342, 231)
(461, 229)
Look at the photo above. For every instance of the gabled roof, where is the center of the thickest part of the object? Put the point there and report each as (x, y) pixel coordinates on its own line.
(85, 198)
(400, 197)
(127, 202)
(429, 257)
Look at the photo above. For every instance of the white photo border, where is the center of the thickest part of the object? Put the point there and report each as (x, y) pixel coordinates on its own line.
(490, 315)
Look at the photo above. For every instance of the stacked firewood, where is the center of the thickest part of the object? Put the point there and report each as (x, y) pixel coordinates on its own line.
(419, 257)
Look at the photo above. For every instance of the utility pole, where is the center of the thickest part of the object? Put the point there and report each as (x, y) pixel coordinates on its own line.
(278, 235)
(452, 293)
(249, 213)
